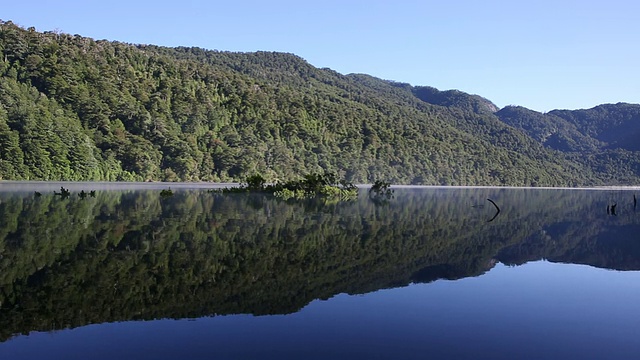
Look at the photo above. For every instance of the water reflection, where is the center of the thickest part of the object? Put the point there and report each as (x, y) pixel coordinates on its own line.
(132, 255)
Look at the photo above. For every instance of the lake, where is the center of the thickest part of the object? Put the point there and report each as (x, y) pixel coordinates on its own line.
(432, 273)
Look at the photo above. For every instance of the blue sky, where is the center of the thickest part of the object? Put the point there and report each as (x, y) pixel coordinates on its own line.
(542, 54)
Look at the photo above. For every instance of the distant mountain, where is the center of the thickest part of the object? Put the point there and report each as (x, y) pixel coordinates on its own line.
(454, 98)
(548, 129)
(79, 109)
(616, 125)
(608, 126)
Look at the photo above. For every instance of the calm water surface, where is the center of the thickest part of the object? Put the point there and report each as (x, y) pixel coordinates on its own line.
(432, 273)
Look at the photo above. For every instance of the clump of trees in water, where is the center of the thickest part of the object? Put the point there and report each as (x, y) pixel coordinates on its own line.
(310, 186)
(381, 190)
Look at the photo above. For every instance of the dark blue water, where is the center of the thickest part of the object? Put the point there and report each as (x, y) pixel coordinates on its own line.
(129, 274)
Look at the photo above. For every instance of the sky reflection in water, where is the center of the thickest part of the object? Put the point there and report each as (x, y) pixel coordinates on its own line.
(539, 310)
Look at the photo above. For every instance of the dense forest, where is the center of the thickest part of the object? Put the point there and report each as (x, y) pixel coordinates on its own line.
(75, 108)
(123, 255)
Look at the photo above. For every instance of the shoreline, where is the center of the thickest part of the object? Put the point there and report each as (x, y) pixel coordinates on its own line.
(17, 185)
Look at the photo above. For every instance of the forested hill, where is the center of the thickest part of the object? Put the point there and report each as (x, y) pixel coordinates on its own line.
(74, 108)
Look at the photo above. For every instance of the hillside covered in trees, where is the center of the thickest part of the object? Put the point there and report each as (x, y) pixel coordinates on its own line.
(75, 108)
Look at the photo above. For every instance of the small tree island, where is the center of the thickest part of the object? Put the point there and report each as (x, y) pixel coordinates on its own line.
(311, 185)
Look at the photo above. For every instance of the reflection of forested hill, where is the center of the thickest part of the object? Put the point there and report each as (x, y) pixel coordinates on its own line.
(132, 255)
(600, 244)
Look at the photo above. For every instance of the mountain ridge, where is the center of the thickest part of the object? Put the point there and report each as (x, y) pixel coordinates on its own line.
(79, 109)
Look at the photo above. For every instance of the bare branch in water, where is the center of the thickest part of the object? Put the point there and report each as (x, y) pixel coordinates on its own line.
(497, 212)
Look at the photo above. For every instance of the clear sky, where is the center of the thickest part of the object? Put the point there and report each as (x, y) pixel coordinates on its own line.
(544, 55)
